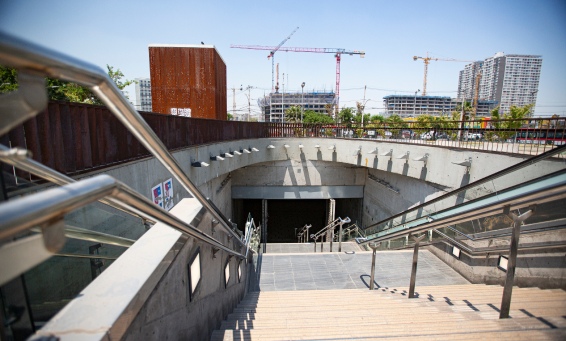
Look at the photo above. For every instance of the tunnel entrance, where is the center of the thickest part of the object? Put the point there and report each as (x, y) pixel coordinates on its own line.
(288, 215)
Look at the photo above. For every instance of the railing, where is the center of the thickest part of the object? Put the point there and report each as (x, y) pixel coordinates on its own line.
(34, 62)
(303, 234)
(73, 138)
(512, 176)
(327, 233)
(354, 229)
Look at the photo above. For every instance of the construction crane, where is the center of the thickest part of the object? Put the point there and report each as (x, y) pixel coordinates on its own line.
(427, 60)
(272, 53)
(337, 54)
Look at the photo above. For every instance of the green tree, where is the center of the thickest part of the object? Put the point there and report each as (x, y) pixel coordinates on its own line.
(511, 120)
(346, 116)
(64, 91)
(310, 116)
(8, 79)
(229, 117)
(293, 114)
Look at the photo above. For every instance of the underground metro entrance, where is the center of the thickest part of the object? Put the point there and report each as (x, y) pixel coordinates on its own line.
(286, 216)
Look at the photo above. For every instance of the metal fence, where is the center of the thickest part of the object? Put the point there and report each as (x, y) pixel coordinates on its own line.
(73, 138)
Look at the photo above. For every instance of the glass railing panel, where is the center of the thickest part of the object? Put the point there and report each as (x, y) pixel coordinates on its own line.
(507, 180)
(96, 235)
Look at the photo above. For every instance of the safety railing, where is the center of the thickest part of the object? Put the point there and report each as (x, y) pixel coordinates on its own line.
(327, 234)
(303, 234)
(515, 175)
(34, 62)
(252, 235)
(353, 232)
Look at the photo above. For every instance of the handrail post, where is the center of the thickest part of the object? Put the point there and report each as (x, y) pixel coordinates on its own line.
(313, 238)
(511, 263)
(331, 233)
(374, 247)
(347, 220)
(414, 268)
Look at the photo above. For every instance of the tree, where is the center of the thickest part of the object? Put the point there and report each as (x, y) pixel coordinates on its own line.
(467, 110)
(511, 120)
(8, 79)
(293, 114)
(318, 118)
(346, 116)
(229, 117)
(64, 91)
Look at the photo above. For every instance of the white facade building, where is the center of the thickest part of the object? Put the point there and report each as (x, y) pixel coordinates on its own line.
(507, 79)
(143, 94)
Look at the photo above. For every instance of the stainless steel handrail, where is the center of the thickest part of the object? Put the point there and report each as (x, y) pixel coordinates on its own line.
(19, 158)
(471, 210)
(24, 55)
(20, 214)
(493, 176)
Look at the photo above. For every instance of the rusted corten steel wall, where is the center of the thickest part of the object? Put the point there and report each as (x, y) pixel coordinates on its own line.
(188, 77)
(74, 138)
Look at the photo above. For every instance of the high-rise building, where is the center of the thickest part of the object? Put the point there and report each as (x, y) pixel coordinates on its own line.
(507, 79)
(143, 94)
(273, 107)
(467, 80)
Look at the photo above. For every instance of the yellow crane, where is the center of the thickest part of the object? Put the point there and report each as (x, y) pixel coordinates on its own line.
(427, 60)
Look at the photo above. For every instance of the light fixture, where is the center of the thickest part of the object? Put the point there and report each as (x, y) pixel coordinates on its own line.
(271, 146)
(199, 164)
(389, 153)
(333, 147)
(358, 151)
(237, 152)
(456, 252)
(301, 146)
(194, 270)
(286, 146)
(465, 163)
(374, 151)
(404, 156)
(422, 158)
(317, 146)
(227, 155)
(502, 263)
(255, 149)
(227, 273)
(216, 158)
(246, 151)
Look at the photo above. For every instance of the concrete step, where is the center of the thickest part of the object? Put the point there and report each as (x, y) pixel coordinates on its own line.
(345, 331)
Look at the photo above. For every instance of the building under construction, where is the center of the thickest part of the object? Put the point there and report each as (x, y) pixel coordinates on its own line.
(274, 106)
(406, 106)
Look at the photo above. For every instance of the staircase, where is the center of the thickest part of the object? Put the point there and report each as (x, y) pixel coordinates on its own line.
(449, 312)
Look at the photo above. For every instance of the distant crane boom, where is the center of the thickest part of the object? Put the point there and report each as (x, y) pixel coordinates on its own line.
(336, 51)
(427, 60)
(281, 44)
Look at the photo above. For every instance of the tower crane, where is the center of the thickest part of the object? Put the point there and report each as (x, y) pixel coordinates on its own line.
(337, 54)
(272, 53)
(427, 60)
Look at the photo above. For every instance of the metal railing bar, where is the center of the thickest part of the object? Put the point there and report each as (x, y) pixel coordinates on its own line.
(23, 213)
(493, 176)
(74, 232)
(536, 196)
(19, 158)
(78, 255)
(21, 54)
(503, 232)
(501, 248)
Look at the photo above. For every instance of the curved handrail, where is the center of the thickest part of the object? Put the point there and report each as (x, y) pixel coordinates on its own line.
(24, 55)
(493, 176)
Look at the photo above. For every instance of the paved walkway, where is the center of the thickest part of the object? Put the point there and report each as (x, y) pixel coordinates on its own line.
(349, 270)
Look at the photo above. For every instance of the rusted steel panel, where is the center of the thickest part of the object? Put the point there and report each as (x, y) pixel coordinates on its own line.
(68, 138)
(188, 77)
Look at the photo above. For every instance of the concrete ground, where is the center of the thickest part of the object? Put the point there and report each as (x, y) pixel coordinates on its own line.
(348, 270)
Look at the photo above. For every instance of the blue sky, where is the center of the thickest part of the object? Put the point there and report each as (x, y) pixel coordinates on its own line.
(390, 32)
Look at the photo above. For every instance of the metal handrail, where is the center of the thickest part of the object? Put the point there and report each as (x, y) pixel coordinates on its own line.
(19, 158)
(24, 55)
(302, 235)
(488, 178)
(499, 248)
(481, 207)
(23, 213)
